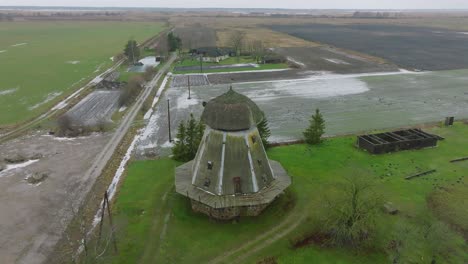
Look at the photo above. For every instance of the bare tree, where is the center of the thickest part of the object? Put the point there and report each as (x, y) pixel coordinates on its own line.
(258, 50)
(236, 41)
(352, 213)
(131, 90)
(148, 74)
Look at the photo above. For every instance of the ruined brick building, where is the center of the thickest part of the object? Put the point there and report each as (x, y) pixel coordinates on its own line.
(231, 174)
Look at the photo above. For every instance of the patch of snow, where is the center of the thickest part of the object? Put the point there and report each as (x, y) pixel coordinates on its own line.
(320, 89)
(464, 33)
(156, 98)
(183, 102)
(111, 190)
(9, 91)
(336, 61)
(167, 144)
(19, 44)
(72, 62)
(16, 166)
(149, 61)
(318, 86)
(2, 51)
(99, 68)
(331, 76)
(296, 62)
(49, 98)
(123, 108)
(71, 139)
(112, 58)
(60, 105)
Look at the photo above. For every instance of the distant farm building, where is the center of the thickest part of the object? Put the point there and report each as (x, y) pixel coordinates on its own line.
(231, 175)
(274, 58)
(212, 54)
(397, 141)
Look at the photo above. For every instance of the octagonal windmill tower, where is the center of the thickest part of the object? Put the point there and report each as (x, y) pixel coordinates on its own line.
(231, 174)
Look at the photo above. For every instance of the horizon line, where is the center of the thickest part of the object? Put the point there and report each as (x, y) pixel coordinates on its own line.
(242, 8)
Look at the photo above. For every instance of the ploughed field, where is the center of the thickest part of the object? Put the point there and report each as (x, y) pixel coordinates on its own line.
(410, 47)
(333, 60)
(95, 108)
(42, 62)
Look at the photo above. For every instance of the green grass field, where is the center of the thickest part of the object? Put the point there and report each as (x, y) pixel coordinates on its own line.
(231, 60)
(54, 58)
(159, 226)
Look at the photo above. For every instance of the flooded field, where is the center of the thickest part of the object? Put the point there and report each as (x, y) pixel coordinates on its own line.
(350, 103)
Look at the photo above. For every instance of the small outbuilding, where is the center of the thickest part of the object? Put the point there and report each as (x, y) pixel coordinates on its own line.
(231, 175)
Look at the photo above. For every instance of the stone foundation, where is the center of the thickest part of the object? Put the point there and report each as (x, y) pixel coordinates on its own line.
(228, 213)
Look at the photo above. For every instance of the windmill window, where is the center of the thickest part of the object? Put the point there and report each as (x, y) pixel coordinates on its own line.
(254, 139)
(207, 183)
(210, 165)
(237, 185)
(259, 163)
(264, 178)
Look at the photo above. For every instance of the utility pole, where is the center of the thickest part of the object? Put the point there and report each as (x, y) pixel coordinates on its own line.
(201, 63)
(169, 120)
(188, 80)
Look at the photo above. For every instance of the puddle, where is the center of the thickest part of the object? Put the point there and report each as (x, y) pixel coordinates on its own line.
(72, 62)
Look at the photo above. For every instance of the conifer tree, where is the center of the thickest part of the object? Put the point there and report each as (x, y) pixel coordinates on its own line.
(189, 136)
(264, 131)
(313, 134)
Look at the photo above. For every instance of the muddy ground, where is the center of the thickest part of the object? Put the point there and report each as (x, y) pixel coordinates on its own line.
(410, 47)
(34, 214)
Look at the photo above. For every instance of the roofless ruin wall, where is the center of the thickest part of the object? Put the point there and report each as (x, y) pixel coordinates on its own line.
(397, 141)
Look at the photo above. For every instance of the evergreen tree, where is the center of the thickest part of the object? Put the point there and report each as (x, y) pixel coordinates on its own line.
(264, 131)
(316, 129)
(189, 136)
(174, 42)
(179, 147)
(132, 51)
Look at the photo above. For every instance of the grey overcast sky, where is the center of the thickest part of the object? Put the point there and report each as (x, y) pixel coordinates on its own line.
(306, 4)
